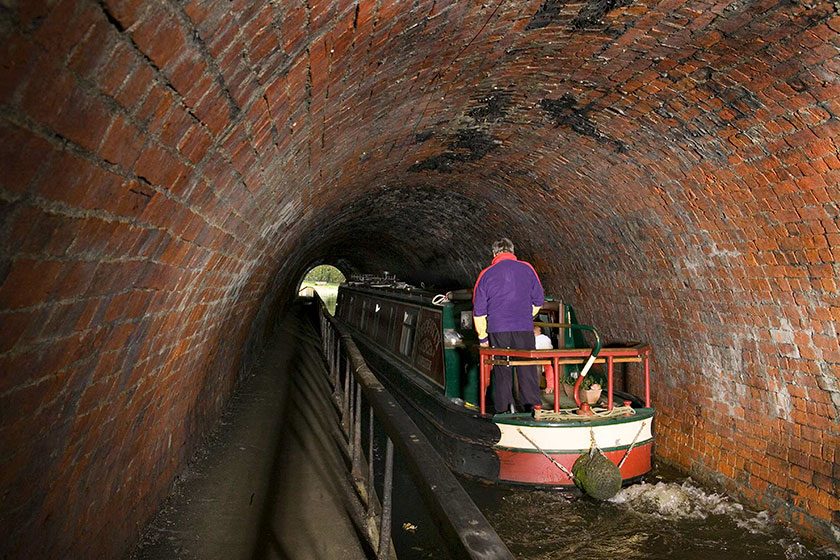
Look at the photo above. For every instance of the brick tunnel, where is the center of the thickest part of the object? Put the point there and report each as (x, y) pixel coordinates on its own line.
(171, 168)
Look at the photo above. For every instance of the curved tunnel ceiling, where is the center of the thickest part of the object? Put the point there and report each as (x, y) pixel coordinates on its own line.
(172, 168)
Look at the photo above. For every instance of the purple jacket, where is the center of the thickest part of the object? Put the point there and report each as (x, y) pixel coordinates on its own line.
(505, 291)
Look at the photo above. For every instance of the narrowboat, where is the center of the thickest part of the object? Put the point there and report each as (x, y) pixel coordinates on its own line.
(423, 348)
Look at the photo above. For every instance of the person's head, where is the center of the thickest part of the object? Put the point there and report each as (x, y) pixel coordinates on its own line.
(503, 245)
(537, 330)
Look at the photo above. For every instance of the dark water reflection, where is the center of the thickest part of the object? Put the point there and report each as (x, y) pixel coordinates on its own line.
(670, 517)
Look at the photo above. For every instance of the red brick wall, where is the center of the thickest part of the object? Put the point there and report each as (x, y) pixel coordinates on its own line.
(170, 169)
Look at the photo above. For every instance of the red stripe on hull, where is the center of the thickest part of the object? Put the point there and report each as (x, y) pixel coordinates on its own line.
(534, 468)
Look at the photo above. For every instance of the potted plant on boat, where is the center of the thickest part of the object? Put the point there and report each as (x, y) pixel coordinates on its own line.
(568, 381)
(591, 387)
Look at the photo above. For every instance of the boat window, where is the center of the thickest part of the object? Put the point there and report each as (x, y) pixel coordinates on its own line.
(369, 314)
(551, 332)
(348, 313)
(389, 329)
(407, 336)
(374, 317)
(363, 314)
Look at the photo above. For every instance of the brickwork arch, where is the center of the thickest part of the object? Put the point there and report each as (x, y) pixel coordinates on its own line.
(170, 169)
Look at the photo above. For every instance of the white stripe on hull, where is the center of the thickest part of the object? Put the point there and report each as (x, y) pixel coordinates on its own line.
(573, 438)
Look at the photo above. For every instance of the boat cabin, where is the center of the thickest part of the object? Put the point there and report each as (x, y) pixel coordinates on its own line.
(433, 335)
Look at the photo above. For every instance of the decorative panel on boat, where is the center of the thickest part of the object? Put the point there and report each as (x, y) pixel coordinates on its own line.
(428, 352)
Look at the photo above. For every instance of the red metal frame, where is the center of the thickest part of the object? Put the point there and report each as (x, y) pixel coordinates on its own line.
(641, 351)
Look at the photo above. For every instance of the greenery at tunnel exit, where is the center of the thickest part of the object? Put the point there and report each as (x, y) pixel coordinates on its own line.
(324, 279)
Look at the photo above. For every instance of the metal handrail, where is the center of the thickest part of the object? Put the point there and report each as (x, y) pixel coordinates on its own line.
(592, 357)
(466, 531)
(558, 356)
(577, 326)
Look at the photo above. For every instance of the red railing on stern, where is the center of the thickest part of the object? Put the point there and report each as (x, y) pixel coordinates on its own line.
(638, 353)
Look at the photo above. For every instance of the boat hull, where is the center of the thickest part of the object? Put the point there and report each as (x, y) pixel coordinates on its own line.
(463, 437)
(535, 469)
(525, 447)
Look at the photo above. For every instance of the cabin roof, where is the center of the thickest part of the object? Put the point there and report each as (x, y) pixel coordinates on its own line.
(399, 291)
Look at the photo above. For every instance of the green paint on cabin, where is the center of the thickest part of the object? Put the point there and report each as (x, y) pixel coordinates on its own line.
(572, 338)
(461, 360)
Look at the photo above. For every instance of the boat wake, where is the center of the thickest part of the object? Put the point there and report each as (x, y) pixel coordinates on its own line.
(671, 500)
(685, 502)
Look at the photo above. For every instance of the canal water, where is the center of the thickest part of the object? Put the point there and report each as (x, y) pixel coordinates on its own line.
(669, 517)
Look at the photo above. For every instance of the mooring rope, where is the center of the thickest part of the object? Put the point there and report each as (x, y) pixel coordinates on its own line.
(632, 444)
(547, 456)
(440, 299)
(571, 413)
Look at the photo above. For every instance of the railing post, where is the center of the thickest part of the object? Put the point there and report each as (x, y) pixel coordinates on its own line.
(370, 459)
(482, 396)
(329, 342)
(351, 417)
(333, 352)
(647, 379)
(357, 435)
(609, 382)
(346, 396)
(556, 364)
(385, 521)
(336, 371)
(335, 345)
(341, 361)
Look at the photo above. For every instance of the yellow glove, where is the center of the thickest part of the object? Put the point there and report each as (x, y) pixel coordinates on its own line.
(480, 323)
